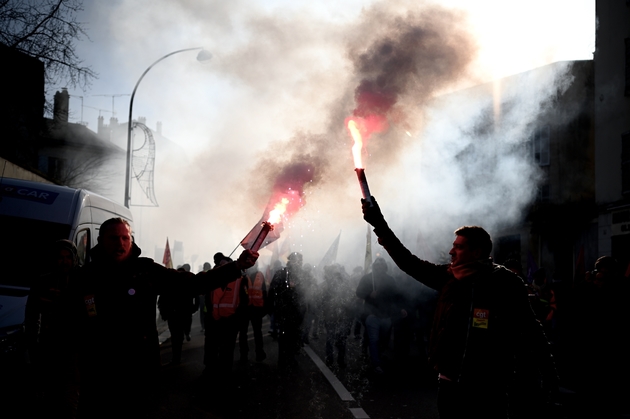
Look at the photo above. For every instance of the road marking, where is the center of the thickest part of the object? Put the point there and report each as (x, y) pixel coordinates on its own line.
(334, 381)
(344, 394)
(359, 413)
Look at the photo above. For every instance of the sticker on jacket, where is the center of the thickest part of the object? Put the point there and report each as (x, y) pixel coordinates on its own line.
(90, 305)
(480, 318)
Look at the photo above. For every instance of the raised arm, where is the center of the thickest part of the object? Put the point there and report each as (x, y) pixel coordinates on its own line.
(431, 275)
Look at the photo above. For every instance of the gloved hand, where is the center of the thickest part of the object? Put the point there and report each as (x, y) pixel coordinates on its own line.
(372, 213)
(247, 259)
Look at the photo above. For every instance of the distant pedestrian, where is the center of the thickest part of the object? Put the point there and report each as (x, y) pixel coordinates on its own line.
(383, 306)
(256, 310)
(337, 313)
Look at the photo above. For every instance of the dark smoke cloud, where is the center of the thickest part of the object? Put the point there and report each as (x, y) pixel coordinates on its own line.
(401, 60)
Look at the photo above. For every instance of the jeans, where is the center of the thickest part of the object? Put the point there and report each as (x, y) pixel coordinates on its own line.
(378, 331)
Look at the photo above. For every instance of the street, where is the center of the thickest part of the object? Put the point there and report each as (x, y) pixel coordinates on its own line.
(310, 390)
(261, 390)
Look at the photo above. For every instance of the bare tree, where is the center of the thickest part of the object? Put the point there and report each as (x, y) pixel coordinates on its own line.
(47, 30)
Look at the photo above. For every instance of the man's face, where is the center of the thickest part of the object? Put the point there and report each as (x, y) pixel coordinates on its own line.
(462, 252)
(65, 261)
(116, 242)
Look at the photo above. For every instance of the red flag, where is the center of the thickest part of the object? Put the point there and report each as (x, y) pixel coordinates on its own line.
(273, 235)
(167, 260)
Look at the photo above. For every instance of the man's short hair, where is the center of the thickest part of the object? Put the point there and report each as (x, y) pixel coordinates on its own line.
(607, 262)
(111, 222)
(295, 256)
(477, 238)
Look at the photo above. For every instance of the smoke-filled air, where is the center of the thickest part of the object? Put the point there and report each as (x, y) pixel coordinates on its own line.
(268, 116)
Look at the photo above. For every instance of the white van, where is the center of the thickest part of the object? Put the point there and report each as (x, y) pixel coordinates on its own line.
(33, 216)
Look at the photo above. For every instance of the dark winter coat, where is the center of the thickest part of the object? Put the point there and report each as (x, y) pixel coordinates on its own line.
(115, 311)
(482, 321)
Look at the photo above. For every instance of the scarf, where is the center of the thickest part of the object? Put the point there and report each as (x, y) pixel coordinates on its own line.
(466, 269)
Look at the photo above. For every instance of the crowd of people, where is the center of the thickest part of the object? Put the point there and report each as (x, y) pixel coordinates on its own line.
(476, 323)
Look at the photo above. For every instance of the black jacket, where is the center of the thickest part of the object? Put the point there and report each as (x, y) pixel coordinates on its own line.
(482, 322)
(115, 315)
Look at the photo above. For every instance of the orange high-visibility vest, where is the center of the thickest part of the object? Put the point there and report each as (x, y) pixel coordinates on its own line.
(226, 301)
(256, 290)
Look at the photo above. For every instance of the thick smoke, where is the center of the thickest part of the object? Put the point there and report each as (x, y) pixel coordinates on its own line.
(275, 97)
(398, 68)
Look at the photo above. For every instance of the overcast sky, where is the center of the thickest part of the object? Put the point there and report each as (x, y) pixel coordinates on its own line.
(281, 71)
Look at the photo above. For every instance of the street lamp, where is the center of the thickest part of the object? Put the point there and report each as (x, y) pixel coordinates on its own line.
(202, 56)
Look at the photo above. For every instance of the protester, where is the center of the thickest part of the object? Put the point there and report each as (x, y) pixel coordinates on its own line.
(383, 305)
(115, 333)
(337, 312)
(272, 270)
(287, 302)
(483, 320)
(357, 304)
(256, 310)
(313, 299)
(177, 310)
(229, 308)
(544, 302)
(202, 301)
(48, 334)
(598, 321)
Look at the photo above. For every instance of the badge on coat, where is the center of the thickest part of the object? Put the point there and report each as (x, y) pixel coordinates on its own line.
(480, 318)
(90, 305)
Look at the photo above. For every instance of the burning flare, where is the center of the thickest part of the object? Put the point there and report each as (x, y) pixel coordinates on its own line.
(370, 125)
(275, 214)
(357, 148)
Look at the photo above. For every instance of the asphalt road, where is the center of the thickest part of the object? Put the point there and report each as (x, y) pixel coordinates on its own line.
(261, 390)
(309, 390)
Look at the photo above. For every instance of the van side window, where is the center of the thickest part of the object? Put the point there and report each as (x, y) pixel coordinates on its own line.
(82, 240)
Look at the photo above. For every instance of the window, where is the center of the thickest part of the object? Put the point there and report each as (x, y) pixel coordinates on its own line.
(540, 146)
(543, 193)
(55, 167)
(82, 241)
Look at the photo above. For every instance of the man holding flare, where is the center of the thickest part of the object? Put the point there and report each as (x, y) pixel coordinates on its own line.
(483, 322)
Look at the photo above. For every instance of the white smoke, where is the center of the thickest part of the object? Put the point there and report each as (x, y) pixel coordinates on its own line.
(281, 81)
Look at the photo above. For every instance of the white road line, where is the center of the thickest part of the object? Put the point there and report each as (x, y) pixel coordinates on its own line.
(334, 381)
(359, 413)
(344, 394)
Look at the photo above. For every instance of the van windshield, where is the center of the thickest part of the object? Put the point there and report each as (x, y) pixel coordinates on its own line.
(25, 247)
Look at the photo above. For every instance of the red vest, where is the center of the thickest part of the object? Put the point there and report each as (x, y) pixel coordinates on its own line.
(256, 290)
(225, 302)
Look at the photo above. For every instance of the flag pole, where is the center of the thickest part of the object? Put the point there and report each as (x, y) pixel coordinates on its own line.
(230, 255)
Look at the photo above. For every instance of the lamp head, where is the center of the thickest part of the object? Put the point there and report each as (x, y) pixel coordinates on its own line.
(204, 55)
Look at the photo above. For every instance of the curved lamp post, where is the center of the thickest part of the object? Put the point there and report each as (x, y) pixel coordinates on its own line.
(202, 56)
